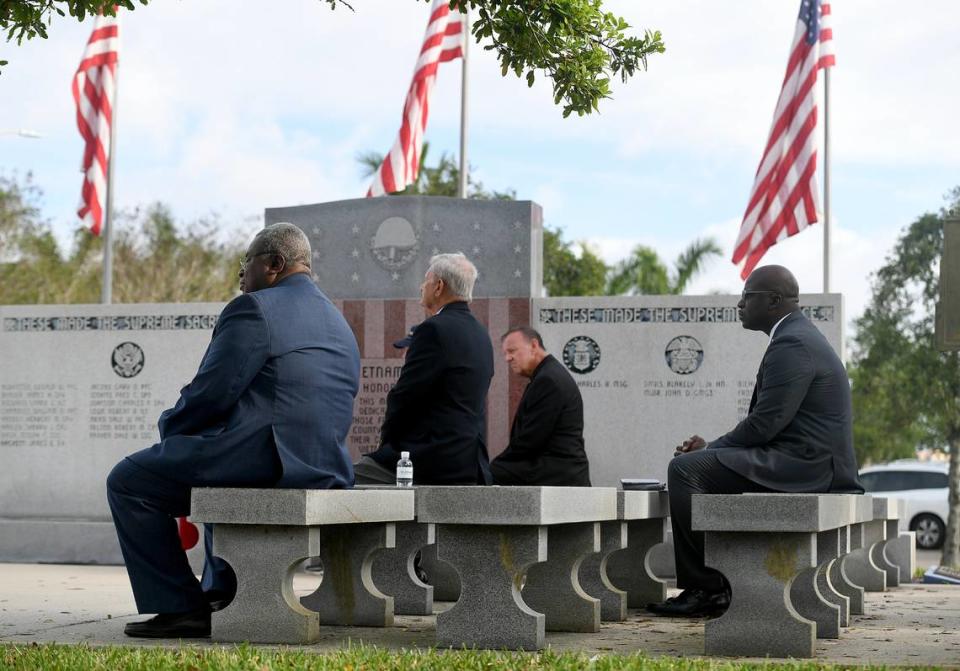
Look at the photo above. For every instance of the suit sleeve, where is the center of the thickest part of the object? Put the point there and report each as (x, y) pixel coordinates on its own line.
(238, 350)
(541, 407)
(788, 371)
(422, 369)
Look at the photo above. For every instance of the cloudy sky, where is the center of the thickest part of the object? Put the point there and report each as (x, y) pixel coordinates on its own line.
(230, 106)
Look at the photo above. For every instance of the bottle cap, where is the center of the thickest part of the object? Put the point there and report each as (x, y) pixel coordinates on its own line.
(404, 455)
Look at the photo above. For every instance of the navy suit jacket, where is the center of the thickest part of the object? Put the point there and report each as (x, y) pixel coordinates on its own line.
(798, 434)
(437, 409)
(272, 402)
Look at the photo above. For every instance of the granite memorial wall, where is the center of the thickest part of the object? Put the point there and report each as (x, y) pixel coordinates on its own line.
(82, 386)
(653, 370)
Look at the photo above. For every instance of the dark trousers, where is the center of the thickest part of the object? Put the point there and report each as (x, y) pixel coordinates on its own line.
(144, 508)
(698, 472)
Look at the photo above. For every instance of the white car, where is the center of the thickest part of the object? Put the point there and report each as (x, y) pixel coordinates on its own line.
(923, 487)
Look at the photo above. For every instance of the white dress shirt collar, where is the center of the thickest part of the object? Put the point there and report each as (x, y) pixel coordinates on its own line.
(774, 329)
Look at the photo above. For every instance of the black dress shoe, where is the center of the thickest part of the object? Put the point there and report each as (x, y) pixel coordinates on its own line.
(192, 624)
(692, 603)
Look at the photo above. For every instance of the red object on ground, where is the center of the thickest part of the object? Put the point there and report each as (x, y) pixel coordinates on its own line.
(189, 534)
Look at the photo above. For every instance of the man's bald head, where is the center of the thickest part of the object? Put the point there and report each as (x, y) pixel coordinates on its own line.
(769, 294)
(777, 279)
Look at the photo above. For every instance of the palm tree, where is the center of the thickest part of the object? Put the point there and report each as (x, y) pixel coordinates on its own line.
(644, 272)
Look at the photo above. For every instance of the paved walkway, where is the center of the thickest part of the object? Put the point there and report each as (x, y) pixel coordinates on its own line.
(910, 625)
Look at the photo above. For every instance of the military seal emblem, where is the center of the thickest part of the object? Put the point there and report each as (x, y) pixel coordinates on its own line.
(395, 244)
(581, 354)
(127, 359)
(684, 354)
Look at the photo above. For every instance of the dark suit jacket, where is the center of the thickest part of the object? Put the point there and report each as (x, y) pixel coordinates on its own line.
(546, 439)
(273, 399)
(798, 434)
(436, 410)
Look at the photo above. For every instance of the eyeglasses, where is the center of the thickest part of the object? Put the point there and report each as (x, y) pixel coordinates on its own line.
(744, 294)
(244, 260)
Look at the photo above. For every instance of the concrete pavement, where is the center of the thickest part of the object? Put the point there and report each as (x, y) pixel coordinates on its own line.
(910, 625)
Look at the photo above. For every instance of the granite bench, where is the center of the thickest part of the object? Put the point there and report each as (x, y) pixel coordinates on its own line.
(776, 551)
(619, 575)
(517, 552)
(265, 534)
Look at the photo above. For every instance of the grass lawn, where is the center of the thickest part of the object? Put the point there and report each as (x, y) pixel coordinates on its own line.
(54, 657)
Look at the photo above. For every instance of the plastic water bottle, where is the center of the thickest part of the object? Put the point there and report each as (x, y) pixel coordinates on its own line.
(404, 470)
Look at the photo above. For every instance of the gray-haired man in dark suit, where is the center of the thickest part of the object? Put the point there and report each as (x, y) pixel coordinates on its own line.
(796, 437)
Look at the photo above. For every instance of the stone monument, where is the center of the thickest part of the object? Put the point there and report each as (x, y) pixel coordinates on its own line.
(654, 370)
(82, 386)
(370, 256)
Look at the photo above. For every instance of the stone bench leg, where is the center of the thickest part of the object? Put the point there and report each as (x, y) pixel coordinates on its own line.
(831, 546)
(841, 582)
(553, 587)
(859, 564)
(901, 551)
(347, 594)
(830, 593)
(394, 574)
(629, 569)
(760, 568)
(265, 609)
(810, 593)
(878, 553)
(440, 575)
(809, 602)
(593, 572)
(491, 562)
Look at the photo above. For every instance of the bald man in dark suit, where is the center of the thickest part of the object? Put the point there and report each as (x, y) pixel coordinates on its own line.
(796, 437)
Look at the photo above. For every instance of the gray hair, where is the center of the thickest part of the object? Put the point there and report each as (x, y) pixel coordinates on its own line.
(286, 240)
(457, 273)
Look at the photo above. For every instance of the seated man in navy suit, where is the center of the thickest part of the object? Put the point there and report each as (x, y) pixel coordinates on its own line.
(270, 406)
(436, 410)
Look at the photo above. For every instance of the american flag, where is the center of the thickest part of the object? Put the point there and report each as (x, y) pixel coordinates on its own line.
(94, 90)
(785, 199)
(442, 42)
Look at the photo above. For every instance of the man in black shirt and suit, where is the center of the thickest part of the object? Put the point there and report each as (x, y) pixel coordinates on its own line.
(437, 409)
(546, 439)
(796, 437)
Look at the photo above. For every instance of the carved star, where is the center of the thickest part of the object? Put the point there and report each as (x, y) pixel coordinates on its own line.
(435, 252)
(475, 250)
(476, 225)
(395, 276)
(517, 249)
(316, 230)
(436, 227)
(354, 278)
(517, 225)
(517, 273)
(356, 229)
(316, 255)
(355, 253)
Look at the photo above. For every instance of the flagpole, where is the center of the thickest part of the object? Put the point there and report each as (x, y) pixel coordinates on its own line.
(464, 168)
(106, 293)
(826, 180)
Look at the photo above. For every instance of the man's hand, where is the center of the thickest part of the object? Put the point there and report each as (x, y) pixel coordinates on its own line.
(690, 445)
